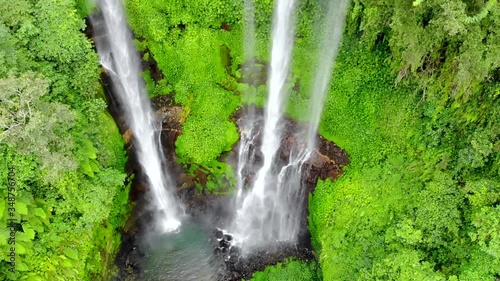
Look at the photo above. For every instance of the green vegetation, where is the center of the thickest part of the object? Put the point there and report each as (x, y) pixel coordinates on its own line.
(414, 101)
(189, 55)
(290, 270)
(420, 199)
(198, 47)
(62, 149)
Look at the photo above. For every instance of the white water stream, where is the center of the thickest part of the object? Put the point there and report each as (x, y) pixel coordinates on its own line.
(120, 58)
(330, 44)
(251, 226)
(247, 126)
(271, 210)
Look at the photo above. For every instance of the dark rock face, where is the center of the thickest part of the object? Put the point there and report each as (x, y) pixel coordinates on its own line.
(152, 66)
(326, 162)
(239, 267)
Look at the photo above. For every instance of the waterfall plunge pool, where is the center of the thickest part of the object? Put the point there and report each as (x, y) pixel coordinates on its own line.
(186, 255)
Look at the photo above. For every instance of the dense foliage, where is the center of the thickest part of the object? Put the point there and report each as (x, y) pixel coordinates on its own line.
(189, 56)
(414, 101)
(421, 198)
(61, 153)
(290, 270)
(199, 48)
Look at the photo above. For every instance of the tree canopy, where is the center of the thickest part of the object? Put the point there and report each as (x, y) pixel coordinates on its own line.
(61, 148)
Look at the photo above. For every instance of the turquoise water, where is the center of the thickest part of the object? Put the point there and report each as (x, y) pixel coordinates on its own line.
(183, 256)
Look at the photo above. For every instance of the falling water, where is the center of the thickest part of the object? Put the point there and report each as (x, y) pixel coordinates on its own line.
(334, 27)
(247, 126)
(119, 57)
(280, 66)
(254, 223)
(271, 211)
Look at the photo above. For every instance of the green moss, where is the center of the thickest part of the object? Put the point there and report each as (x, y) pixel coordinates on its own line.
(364, 110)
(110, 144)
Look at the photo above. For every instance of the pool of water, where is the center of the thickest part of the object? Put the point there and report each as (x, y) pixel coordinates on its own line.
(187, 255)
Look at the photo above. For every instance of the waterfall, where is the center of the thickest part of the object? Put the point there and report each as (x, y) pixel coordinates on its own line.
(280, 65)
(119, 57)
(271, 211)
(247, 125)
(252, 225)
(334, 27)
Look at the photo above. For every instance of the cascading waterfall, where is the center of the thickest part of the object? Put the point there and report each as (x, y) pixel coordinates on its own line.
(253, 223)
(280, 65)
(270, 212)
(119, 57)
(247, 125)
(334, 26)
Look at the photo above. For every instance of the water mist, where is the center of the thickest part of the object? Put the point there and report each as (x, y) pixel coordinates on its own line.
(248, 129)
(330, 43)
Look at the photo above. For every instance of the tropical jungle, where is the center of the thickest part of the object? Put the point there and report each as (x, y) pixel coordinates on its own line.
(250, 140)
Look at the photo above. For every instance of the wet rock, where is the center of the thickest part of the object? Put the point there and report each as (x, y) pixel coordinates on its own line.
(218, 251)
(240, 266)
(151, 65)
(326, 161)
(224, 244)
(170, 118)
(127, 136)
(219, 234)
